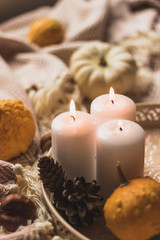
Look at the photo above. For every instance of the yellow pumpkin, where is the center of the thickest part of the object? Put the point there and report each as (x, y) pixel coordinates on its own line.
(98, 66)
(132, 212)
(17, 128)
(46, 31)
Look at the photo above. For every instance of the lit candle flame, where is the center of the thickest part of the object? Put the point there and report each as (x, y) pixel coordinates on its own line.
(120, 125)
(72, 109)
(112, 95)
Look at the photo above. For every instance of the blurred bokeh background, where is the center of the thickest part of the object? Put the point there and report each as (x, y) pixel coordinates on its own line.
(11, 8)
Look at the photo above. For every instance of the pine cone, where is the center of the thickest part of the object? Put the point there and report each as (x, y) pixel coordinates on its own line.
(79, 202)
(51, 174)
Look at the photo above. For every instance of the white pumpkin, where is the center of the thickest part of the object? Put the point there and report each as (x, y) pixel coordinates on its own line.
(54, 98)
(98, 66)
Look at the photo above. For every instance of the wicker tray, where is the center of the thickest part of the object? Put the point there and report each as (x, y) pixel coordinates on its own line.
(148, 116)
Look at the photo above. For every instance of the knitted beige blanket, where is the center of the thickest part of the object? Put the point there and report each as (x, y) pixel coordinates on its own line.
(24, 65)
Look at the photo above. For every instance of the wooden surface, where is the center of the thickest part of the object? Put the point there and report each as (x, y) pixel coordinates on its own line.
(98, 231)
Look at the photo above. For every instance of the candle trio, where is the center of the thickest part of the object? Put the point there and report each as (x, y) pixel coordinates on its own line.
(89, 145)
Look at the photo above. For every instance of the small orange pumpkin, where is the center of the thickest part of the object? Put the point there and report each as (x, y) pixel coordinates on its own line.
(17, 128)
(132, 212)
(46, 31)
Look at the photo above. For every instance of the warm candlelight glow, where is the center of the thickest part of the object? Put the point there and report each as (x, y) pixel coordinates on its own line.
(112, 95)
(72, 109)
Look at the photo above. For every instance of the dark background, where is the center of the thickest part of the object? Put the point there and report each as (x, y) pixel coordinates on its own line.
(11, 8)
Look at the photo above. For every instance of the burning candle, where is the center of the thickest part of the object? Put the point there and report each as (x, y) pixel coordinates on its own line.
(119, 140)
(113, 106)
(74, 143)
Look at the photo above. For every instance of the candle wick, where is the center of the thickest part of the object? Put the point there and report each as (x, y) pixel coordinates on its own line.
(112, 101)
(120, 128)
(73, 118)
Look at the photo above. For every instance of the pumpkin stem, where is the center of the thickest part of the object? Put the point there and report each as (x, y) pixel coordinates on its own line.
(102, 62)
(123, 180)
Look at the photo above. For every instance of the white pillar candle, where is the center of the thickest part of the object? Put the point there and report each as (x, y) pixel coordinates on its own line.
(119, 140)
(74, 143)
(113, 106)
